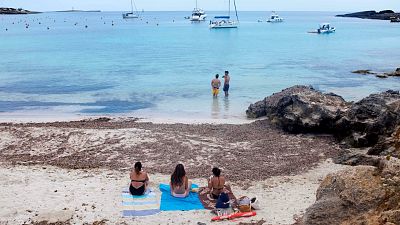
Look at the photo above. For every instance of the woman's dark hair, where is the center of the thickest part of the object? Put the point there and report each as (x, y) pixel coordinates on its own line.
(177, 176)
(216, 171)
(138, 167)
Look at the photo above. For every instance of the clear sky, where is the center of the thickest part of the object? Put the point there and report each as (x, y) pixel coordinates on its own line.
(210, 5)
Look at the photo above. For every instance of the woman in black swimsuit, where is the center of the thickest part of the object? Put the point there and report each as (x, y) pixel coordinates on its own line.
(139, 180)
(216, 183)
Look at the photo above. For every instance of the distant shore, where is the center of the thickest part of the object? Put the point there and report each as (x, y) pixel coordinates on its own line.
(382, 15)
(13, 11)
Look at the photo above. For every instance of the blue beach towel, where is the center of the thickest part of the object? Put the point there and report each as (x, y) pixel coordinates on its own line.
(144, 205)
(170, 203)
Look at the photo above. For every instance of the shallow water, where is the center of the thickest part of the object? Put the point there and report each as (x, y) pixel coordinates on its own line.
(162, 65)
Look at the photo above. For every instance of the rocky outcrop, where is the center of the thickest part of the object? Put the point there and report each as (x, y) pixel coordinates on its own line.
(395, 73)
(371, 122)
(15, 11)
(301, 109)
(382, 15)
(359, 195)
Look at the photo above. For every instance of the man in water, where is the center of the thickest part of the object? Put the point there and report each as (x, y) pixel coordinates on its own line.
(227, 79)
(215, 84)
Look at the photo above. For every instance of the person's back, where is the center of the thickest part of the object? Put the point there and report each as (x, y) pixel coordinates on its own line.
(216, 183)
(179, 183)
(215, 84)
(139, 180)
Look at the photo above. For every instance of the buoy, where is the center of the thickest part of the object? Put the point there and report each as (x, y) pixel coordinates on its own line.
(48, 28)
(86, 26)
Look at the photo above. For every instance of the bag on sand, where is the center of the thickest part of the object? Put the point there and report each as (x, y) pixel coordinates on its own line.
(244, 204)
(223, 201)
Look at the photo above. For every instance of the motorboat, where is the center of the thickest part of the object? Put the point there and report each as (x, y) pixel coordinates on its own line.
(222, 22)
(324, 28)
(198, 14)
(131, 14)
(274, 18)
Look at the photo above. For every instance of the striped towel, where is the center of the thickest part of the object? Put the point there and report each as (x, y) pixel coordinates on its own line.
(145, 205)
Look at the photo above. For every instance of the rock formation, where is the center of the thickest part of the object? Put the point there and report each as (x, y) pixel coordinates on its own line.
(382, 15)
(395, 73)
(359, 195)
(301, 109)
(370, 122)
(15, 11)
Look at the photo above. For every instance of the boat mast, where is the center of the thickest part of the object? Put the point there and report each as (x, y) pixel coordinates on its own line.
(196, 4)
(229, 12)
(132, 6)
(237, 17)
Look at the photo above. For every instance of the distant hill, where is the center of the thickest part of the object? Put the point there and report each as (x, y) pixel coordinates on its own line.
(16, 11)
(382, 15)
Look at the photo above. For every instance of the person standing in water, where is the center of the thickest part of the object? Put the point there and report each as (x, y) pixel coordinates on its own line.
(227, 79)
(215, 85)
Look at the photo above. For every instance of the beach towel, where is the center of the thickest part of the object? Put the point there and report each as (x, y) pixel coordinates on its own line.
(144, 205)
(208, 202)
(170, 203)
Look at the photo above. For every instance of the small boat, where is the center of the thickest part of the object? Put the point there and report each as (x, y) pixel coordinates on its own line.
(324, 28)
(222, 22)
(131, 15)
(274, 18)
(198, 14)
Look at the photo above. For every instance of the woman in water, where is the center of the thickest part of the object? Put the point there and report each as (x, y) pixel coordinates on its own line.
(180, 184)
(139, 180)
(216, 183)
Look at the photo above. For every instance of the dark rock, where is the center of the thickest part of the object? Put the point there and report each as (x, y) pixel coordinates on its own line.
(382, 15)
(369, 120)
(15, 11)
(300, 109)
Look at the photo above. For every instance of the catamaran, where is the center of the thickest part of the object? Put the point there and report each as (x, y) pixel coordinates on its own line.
(131, 15)
(198, 14)
(225, 21)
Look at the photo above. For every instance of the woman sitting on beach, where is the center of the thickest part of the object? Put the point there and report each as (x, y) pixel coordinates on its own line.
(180, 184)
(216, 183)
(139, 180)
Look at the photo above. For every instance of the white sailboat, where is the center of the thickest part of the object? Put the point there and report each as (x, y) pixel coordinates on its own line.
(198, 14)
(131, 15)
(225, 21)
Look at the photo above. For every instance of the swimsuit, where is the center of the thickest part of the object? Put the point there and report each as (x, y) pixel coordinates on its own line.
(226, 87)
(137, 191)
(214, 196)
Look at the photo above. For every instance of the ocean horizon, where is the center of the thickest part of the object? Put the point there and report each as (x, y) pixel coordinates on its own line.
(161, 65)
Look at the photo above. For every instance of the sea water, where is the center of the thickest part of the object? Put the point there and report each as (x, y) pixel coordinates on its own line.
(161, 65)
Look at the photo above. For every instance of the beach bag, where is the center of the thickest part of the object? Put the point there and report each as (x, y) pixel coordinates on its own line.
(223, 201)
(244, 204)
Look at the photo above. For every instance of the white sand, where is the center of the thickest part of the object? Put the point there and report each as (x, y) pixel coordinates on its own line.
(37, 193)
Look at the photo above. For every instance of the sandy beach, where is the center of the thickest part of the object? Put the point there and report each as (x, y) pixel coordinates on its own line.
(74, 172)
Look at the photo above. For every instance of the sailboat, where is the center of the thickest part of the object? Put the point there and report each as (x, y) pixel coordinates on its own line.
(131, 15)
(198, 14)
(225, 21)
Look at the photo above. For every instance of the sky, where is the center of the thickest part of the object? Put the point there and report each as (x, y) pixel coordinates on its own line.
(208, 5)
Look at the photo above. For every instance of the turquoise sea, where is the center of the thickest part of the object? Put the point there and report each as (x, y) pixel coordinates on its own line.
(161, 65)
